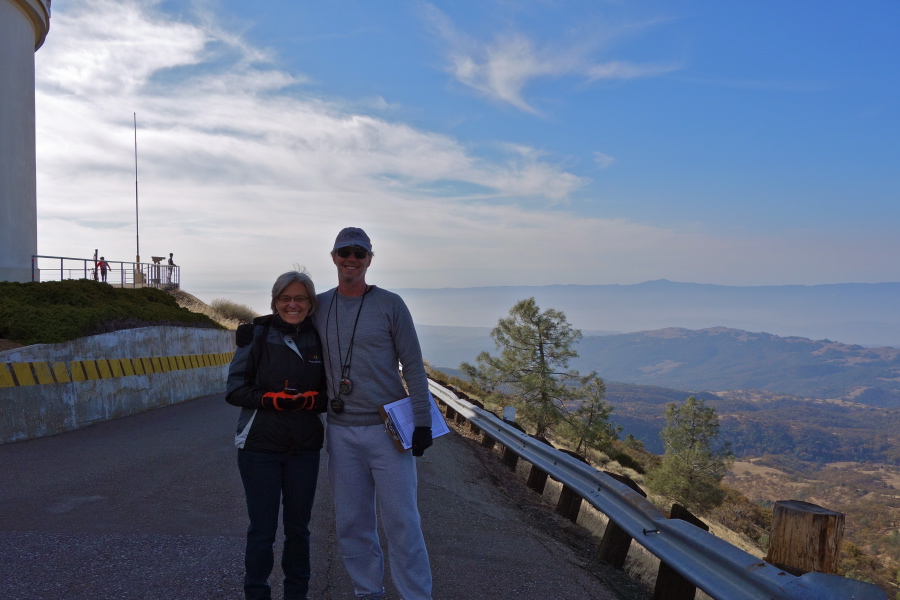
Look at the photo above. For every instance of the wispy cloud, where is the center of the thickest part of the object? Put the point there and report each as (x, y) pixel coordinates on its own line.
(603, 161)
(501, 69)
(227, 144)
(244, 172)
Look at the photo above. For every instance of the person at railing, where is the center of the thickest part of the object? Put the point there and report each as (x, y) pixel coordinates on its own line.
(366, 331)
(104, 267)
(170, 269)
(278, 379)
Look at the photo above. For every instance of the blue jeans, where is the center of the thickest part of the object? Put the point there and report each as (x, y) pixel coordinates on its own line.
(269, 480)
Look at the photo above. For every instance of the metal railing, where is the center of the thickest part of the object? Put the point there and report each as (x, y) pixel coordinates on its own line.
(119, 273)
(713, 565)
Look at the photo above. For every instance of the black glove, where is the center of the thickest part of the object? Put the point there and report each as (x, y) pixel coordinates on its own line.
(244, 335)
(421, 440)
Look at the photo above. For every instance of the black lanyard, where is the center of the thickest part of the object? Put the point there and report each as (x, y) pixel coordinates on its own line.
(344, 361)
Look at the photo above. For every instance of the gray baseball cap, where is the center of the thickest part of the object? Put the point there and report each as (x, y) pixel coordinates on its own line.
(352, 236)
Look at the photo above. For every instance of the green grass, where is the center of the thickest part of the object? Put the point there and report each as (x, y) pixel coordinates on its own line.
(58, 311)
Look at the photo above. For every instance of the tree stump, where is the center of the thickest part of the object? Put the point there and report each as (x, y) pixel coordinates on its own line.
(805, 538)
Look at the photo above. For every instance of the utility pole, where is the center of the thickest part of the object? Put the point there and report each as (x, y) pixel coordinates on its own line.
(137, 229)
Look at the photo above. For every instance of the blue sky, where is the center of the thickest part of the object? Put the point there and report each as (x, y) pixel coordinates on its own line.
(479, 143)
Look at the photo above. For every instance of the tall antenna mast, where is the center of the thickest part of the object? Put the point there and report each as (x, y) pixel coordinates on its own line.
(137, 228)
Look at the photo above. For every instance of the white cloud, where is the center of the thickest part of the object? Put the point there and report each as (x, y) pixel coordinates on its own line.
(243, 173)
(503, 68)
(603, 160)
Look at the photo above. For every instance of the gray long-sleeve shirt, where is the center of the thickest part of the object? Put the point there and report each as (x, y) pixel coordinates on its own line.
(383, 338)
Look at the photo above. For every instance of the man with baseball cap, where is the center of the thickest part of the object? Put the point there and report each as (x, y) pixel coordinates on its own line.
(367, 333)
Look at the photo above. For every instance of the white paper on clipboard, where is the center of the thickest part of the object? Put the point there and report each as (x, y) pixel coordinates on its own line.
(398, 418)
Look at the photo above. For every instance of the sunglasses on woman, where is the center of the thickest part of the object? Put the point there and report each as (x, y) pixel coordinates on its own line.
(358, 253)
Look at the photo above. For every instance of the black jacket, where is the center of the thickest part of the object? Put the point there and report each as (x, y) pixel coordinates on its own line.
(265, 366)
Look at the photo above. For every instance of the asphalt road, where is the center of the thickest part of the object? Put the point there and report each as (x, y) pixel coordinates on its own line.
(151, 507)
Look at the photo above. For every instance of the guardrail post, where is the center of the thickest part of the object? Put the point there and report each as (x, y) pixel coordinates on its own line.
(510, 458)
(615, 543)
(472, 426)
(669, 584)
(805, 538)
(450, 413)
(537, 479)
(569, 503)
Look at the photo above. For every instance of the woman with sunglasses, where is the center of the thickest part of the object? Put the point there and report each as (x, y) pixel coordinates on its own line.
(278, 380)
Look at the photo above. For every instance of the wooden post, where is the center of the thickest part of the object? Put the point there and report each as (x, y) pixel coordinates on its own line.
(510, 458)
(450, 413)
(537, 479)
(487, 441)
(669, 584)
(472, 426)
(569, 503)
(615, 543)
(805, 538)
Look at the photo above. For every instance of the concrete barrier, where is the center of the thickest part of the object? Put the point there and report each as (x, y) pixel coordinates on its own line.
(50, 388)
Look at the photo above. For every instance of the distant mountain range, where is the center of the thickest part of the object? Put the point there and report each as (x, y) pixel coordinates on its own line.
(853, 313)
(711, 360)
(817, 401)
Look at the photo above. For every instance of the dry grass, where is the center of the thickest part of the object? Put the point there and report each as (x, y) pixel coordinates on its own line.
(194, 304)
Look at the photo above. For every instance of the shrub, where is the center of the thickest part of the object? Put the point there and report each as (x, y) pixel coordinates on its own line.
(233, 310)
(58, 311)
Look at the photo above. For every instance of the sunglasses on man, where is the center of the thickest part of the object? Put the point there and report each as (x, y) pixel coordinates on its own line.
(358, 253)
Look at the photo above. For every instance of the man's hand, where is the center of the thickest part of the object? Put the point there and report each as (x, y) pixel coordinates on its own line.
(244, 335)
(421, 440)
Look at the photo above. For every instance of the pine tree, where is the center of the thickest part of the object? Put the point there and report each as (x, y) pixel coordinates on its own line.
(531, 370)
(589, 422)
(693, 465)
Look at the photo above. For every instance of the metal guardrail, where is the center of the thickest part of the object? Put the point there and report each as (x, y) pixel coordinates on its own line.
(713, 565)
(119, 273)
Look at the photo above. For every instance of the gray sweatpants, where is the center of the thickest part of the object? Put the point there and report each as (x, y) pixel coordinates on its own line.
(364, 464)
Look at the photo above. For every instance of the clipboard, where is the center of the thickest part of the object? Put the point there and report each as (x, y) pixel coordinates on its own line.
(399, 423)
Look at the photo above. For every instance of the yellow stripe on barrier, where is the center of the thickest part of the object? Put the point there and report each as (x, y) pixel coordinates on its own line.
(60, 373)
(90, 369)
(20, 374)
(116, 366)
(103, 368)
(6, 378)
(42, 371)
(23, 374)
(77, 371)
(127, 367)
